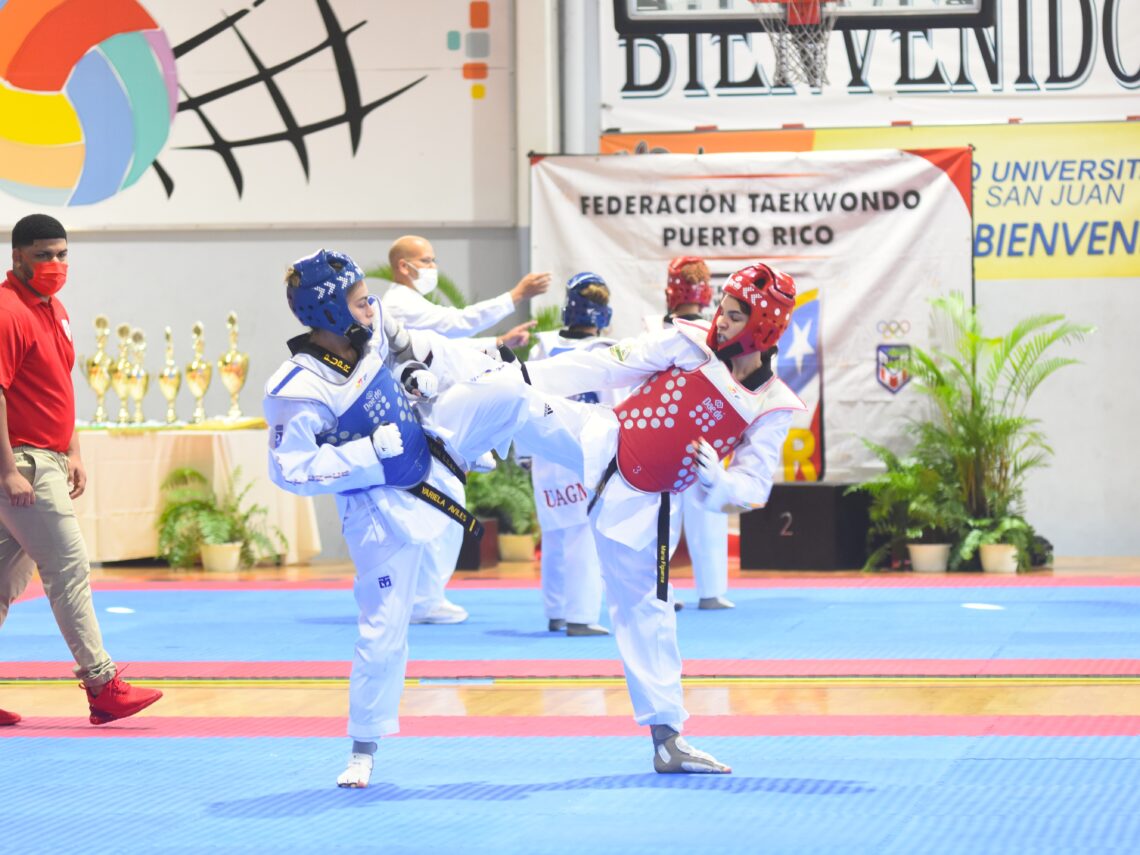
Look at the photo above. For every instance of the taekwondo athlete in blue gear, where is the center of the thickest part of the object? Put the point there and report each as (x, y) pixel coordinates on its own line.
(344, 418)
(571, 574)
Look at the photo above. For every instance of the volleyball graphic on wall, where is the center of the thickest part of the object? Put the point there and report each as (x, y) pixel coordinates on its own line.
(88, 91)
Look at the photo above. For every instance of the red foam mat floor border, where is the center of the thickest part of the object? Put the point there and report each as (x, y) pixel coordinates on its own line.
(956, 580)
(587, 668)
(158, 726)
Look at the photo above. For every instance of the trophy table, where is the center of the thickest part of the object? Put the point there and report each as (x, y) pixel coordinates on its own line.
(198, 374)
(234, 368)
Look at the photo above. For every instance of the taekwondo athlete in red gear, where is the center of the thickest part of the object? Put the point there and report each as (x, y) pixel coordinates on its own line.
(702, 391)
(344, 418)
(688, 291)
(571, 574)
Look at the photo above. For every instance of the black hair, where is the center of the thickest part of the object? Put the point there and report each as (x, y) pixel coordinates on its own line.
(36, 227)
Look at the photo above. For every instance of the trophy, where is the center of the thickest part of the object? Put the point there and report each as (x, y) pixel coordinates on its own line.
(139, 379)
(170, 379)
(198, 375)
(98, 369)
(121, 373)
(234, 367)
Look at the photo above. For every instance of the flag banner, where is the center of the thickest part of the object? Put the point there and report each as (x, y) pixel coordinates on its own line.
(869, 237)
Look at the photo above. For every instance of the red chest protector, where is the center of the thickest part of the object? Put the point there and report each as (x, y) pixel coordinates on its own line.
(660, 423)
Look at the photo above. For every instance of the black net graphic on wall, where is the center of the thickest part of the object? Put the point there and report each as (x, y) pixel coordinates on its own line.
(353, 110)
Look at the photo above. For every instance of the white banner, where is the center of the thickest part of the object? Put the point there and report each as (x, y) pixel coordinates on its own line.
(1045, 60)
(869, 237)
(165, 113)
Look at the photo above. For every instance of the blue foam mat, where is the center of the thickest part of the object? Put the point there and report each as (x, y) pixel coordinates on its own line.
(832, 623)
(573, 795)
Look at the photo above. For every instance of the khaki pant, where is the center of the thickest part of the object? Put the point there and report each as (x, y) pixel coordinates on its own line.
(46, 535)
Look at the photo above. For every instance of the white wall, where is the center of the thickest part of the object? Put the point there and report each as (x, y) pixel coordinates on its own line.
(1086, 500)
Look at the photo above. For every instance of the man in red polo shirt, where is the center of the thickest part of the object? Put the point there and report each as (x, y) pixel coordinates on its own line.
(40, 467)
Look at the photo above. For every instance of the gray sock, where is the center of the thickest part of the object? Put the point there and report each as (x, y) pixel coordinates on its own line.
(363, 747)
(661, 732)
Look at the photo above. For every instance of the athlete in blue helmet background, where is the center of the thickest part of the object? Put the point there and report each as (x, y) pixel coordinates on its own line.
(571, 575)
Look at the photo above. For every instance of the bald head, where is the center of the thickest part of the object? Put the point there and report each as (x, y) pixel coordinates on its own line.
(410, 251)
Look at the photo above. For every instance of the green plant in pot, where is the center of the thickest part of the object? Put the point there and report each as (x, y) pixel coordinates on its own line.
(979, 436)
(194, 516)
(911, 506)
(506, 495)
(1004, 543)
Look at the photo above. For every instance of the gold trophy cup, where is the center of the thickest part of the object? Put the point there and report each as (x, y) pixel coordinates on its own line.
(170, 379)
(121, 374)
(198, 375)
(139, 378)
(234, 367)
(97, 369)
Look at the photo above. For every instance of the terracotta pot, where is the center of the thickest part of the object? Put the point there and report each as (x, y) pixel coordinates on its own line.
(929, 557)
(516, 547)
(998, 557)
(221, 557)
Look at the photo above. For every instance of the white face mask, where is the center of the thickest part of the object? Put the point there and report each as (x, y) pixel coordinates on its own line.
(426, 280)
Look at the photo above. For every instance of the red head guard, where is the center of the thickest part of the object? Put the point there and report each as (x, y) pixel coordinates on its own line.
(688, 282)
(770, 296)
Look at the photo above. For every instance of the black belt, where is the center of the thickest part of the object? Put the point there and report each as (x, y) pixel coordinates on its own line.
(611, 468)
(662, 531)
(663, 549)
(439, 499)
(439, 452)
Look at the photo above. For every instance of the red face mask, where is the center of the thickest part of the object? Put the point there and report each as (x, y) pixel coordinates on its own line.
(48, 277)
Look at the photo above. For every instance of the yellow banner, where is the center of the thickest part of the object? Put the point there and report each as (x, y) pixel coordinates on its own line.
(1051, 201)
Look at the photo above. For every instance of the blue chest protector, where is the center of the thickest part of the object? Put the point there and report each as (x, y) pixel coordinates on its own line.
(584, 397)
(384, 401)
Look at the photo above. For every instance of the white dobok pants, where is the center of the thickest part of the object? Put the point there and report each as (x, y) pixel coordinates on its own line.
(388, 553)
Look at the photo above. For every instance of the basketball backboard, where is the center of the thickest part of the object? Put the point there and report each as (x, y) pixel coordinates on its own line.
(739, 16)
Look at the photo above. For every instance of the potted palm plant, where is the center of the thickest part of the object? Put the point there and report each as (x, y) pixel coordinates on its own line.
(979, 436)
(912, 509)
(224, 532)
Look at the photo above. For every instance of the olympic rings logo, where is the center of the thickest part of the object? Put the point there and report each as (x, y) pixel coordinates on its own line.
(893, 329)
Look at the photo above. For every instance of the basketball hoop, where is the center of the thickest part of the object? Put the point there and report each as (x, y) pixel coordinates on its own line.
(799, 30)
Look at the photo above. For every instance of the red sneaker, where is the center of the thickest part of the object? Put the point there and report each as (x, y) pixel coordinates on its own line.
(119, 699)
(7, 718)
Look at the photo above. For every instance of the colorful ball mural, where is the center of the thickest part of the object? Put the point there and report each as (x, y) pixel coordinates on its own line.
(88, 91)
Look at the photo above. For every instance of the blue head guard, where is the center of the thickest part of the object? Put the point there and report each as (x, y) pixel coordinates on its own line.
(321, 299)
(579, 311)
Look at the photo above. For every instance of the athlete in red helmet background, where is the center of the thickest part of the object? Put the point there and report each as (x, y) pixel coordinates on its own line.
(688, 293)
